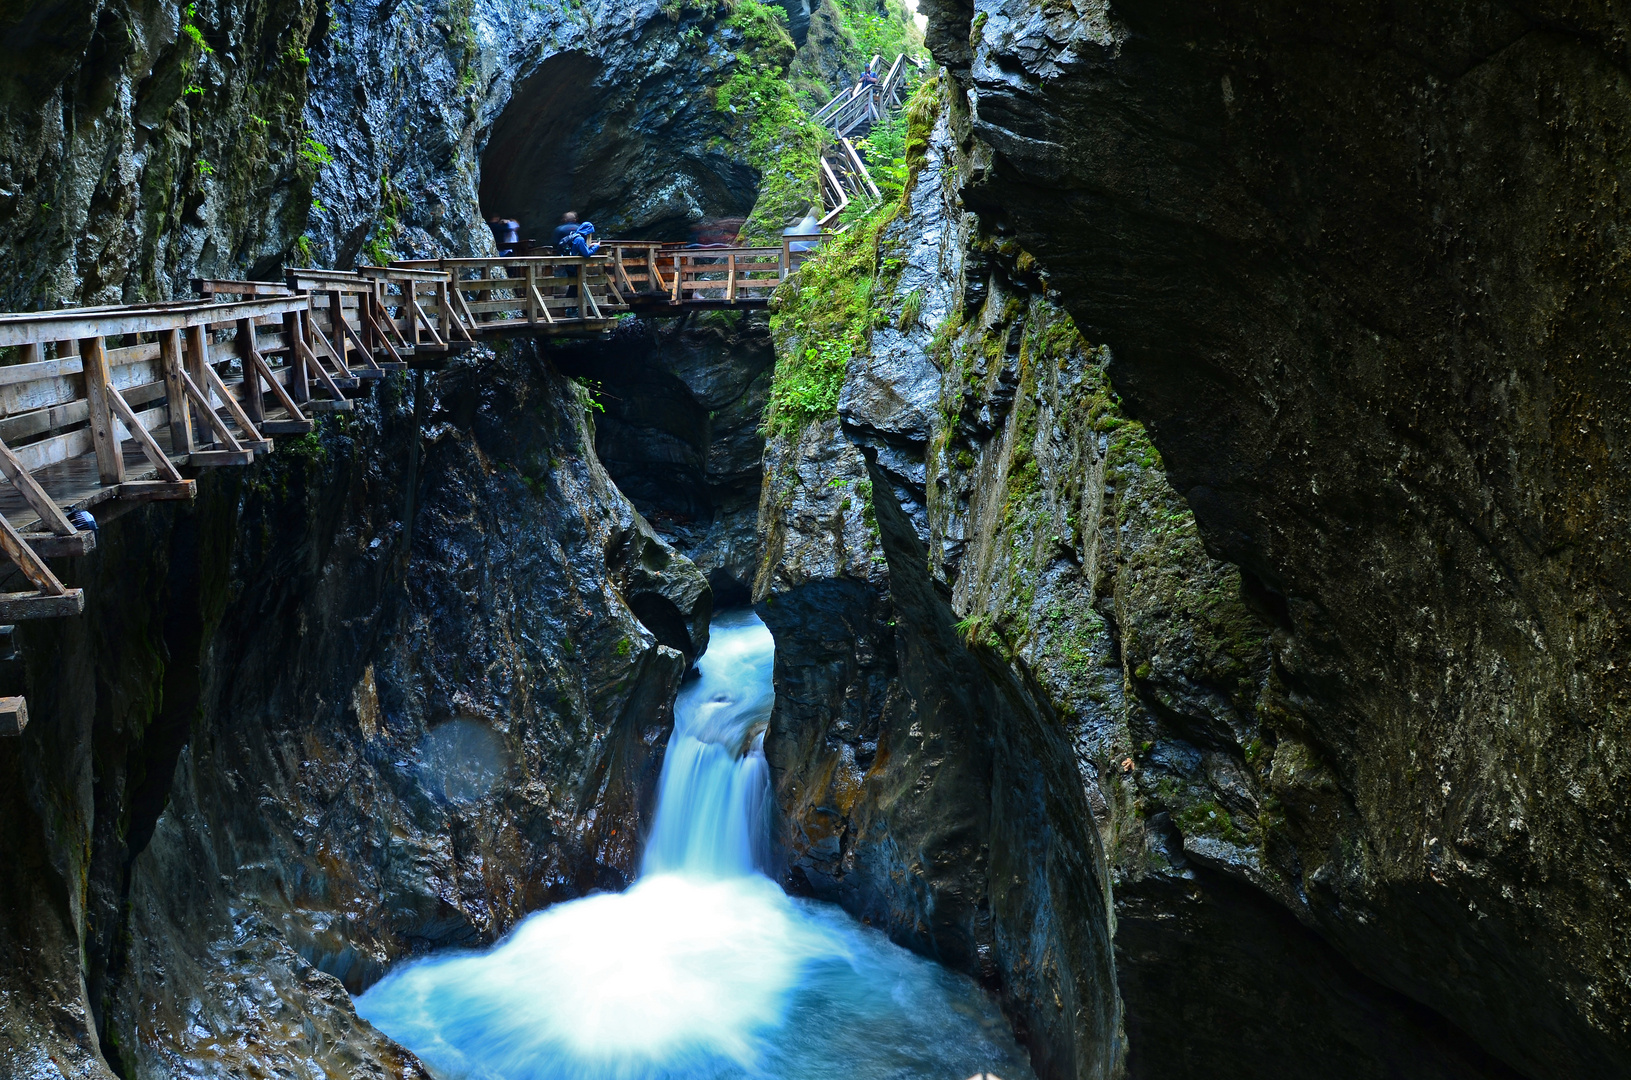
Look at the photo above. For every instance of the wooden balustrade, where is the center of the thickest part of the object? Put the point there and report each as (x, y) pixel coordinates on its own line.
(110, 403)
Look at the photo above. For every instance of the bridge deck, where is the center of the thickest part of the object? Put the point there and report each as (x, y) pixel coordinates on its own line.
(103, 407)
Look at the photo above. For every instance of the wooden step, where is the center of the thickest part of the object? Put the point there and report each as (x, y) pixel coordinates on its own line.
(328, 405)
(204, 459)
(17, 606)
(52, 546)
(286, 427)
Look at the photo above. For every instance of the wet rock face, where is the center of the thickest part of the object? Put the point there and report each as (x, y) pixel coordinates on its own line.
(678, 430)
(921, 780)
(261, 768)
(1041, 513)
(1353, 278)
(144, 145)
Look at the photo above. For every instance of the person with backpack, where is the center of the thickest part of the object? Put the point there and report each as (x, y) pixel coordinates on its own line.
(568, 226)
(578, 241)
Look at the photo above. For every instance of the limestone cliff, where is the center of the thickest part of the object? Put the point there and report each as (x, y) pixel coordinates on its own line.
(261, 768)
(1360, 275)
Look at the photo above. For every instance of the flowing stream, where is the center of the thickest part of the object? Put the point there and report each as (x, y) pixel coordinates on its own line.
(704, 968)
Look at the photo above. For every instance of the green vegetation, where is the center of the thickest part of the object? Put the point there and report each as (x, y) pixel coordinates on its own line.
(826, 313)
(881, 28)
(781, 142)
(377, 249)
(193, 32)
(314, 153)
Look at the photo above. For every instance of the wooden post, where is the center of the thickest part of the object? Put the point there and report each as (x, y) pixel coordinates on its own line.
(254, 406)
(730, 278)
(336, 316)
(33, 353)
(365, 304)
(298, 379)
(532, 293)
(175, 395)
(444, 312)
(197, 358)
(110, 460)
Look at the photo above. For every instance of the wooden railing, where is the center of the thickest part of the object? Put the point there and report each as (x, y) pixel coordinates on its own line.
(844, 176)
(110, 403)
(710, 276)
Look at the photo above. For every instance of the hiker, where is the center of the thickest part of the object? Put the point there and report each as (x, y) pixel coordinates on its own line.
(568, 225)
(809, 226)
(506, 234)
(869, 79)
(578, 241)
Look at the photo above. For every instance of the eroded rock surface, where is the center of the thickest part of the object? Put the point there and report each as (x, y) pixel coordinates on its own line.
(262, 768)
(1360, 275)
(680, 403)
(1040, 516)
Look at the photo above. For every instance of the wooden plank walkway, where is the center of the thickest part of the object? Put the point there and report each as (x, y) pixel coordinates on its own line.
(107, 405)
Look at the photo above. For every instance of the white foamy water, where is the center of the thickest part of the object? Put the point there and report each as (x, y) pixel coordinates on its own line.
(704, 968)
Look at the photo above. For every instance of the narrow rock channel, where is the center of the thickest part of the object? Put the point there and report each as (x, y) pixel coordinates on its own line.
(1145, 597)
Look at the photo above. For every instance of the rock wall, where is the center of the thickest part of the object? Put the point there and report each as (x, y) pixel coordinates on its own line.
(1358, 276)
(680, 403)
(260, 768)
(922, 781)
(1039, 516)
(144, 145)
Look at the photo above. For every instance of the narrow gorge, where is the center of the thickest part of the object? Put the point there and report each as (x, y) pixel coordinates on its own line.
(1136, 593)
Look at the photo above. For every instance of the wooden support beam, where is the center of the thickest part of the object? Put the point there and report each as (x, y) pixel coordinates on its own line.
(28, 561)
(254, 404)
(450, 318)
(144, 438)
(209, 459)
(336, 321)
(254, 439)
(534, 301)
(52, 546)
(373, 365)
(195, 359)
(156, 490)
(181, 421)
(384, 338)
(730, 278)
(425, 320)
(299, 380)
(322, 375)
(17, 606)
(475, 327)
(264, 370)
(110, 461)
(212, 418)
(51, 514)
(13, 715)
(543, 307)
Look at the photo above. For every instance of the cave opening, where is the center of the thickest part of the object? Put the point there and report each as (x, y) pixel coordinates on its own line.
(632, 158)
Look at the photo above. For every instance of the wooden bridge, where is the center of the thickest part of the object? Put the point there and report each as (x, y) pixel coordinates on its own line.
(102, 407)
(109, 406)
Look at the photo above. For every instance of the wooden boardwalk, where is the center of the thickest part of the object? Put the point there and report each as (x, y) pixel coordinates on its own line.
(102, 407)
(107, 406)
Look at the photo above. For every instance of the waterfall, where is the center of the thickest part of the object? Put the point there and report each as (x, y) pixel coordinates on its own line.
(703, 969)
(715, 784)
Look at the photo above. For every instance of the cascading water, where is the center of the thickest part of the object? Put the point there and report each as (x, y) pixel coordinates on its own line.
(702, 969)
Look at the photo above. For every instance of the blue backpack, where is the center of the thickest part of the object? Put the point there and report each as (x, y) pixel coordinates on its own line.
(577, 241)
